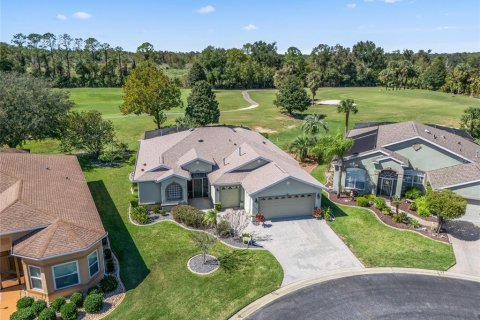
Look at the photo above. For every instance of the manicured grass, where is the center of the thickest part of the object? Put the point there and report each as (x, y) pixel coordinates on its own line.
(153, 263)
(377, 245)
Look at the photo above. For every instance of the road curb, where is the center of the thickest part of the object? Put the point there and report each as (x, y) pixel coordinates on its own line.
(263, 301)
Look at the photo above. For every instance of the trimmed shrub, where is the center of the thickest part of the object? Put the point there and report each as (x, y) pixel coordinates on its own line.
(379, 203)
(413, 223)
(386, 211)
(38, 306)
(400, 217)
(224, 228)
(77, 299)
(107, 254)
(47, 314)
(93, 290)
(413, 193)
(93, 303)
(188, 215)
(24, 302)
(422, 207)
(155, 208)
(58, 303)
(23, 314)
(413, 206)
(362, 202)
(109, 284)
(69, 311)
(217, 206)
(139, 214)
(109, 266)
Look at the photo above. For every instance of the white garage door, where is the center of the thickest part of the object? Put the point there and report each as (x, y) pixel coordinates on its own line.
(287, 206)
(230, 196)
(473, 212)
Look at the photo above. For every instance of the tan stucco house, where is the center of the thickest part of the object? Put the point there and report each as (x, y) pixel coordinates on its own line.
(388, 158)
(235, 167)
(50, 230)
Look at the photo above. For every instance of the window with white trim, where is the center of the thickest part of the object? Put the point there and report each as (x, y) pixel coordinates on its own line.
(174, 192)
(355, 178)
(411, 178)
(35, 278)
(66, 275)
(93, 263)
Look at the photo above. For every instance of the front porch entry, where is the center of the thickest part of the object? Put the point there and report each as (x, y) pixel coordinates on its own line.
(11, 273)
(387, 183)
(198, 187)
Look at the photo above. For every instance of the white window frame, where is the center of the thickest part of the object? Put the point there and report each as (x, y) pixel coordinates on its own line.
(90, 265)
(30, 277)
(354, 180)
(55, 278)
(414, 179)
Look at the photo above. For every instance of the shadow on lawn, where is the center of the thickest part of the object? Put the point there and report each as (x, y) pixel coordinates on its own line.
(337, 212)
(133, 268)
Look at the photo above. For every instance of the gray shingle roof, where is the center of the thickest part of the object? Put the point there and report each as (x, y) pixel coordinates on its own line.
(49, 192)
(387, 134)
(228, 148)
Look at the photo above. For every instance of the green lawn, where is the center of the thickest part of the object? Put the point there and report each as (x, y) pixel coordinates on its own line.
(377, 245)
(153, 263)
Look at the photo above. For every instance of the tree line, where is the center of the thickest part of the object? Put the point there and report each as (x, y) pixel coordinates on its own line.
(76, 62)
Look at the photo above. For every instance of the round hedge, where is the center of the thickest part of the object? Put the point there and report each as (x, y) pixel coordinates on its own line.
(38, 306)
(58, 303)
(77, 299)
(69, 311)
(109, 284)
(23, 314)
(47, 314)
(93, 302)
(94, 290)
(24, 302)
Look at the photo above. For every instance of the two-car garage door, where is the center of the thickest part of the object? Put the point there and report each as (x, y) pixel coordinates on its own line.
(275, 207)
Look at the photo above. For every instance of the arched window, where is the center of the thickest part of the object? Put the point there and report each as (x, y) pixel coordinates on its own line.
(174, 192)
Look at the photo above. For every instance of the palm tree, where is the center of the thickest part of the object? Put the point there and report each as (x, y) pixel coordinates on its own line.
(347, 106)
(334, 148)
(301, 146)
(313, 123)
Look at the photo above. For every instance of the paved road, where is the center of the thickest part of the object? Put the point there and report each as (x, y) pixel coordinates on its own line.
(306, 248)
(379, 296)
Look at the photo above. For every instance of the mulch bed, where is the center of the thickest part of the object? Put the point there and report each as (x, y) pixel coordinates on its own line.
(344, 200)
(405, 206)
(197, 265)
(154, 217)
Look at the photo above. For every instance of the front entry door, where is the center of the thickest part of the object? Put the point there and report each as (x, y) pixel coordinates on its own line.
(387, 183)
(198, 186)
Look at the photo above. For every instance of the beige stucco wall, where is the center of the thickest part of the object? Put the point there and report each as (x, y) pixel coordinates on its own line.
(49, 292)
(6, 240)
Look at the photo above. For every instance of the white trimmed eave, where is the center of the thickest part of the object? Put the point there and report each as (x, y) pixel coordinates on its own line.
(319, 185)
(196, 159)
(403, 164)
(458, 184)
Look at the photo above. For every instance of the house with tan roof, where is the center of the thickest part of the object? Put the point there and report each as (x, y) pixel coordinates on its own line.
(388, 158)
(50, 230)
(231, 166)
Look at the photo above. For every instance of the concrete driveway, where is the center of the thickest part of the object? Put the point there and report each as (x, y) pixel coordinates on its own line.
(306, 248)
(465, 239)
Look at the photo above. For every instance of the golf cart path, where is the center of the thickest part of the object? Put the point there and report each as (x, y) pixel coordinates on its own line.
(245, 96)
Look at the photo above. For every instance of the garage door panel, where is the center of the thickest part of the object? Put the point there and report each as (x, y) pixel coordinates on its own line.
(230, 197)
(287, 206)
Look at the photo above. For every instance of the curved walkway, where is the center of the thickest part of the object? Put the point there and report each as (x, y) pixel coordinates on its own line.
(375, 293)
(245, 96)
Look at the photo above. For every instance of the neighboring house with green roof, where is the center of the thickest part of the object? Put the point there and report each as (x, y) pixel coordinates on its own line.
(232, 166)
(388, 158)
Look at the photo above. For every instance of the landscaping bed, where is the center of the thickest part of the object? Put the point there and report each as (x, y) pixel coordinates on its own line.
(388, 218)
(405, 206)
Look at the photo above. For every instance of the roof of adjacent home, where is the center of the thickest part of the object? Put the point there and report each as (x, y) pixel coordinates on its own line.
(47, 195)
(228, 149)
(378, 136)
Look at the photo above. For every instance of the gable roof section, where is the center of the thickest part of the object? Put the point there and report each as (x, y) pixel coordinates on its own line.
(227, 148)
(47, 190)
(455, 175)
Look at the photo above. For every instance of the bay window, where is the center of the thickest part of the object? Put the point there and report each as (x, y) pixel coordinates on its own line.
(66, 275)
(93, 263)
(35, 278)
(355, 178)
